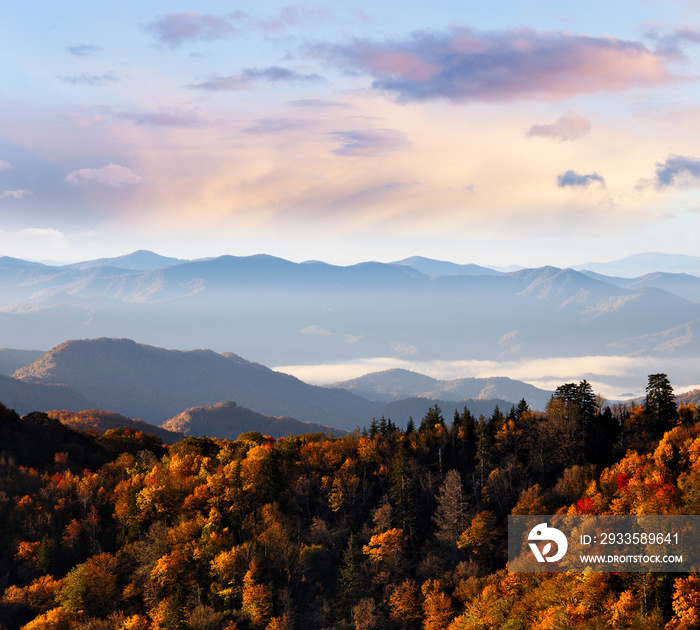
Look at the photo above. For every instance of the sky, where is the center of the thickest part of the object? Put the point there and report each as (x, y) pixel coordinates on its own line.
(547, 132)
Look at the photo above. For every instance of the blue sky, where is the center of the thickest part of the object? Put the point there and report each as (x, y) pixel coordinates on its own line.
(495, 133)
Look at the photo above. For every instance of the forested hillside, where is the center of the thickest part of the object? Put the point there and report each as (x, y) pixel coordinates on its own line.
(387, 528)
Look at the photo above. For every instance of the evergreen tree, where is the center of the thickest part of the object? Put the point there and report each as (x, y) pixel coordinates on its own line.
(350, 583)
(432, 418)
(521, 408)
(401, 494)
(660, 405)
(485, 434)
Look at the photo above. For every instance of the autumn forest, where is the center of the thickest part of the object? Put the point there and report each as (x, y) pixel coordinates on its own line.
(385, 528)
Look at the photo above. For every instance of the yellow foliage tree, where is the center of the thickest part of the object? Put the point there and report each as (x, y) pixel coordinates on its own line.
(686, 604)
(257, 599)
(437, 606)
(405, 604)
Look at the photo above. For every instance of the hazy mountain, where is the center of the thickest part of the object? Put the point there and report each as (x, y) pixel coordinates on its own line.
(642, 264)
(138, 260)
(281, 313)
(681, 284)
(391, 385)
(25, 397)
(431, 267)
(154, 384)
(689, 397)
(228, 420)
(11, 360)
(101, 421)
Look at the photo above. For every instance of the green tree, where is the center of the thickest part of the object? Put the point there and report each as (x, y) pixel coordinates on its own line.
(660, 405)
(432, 418)
(350, 582)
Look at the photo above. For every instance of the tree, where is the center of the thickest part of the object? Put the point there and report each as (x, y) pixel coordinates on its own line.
(91, 587)
(405, 604)
(479, 538)
(350, 583)
(449, 514)
(257, 599)
(401, 494)
(437, 606)
(431, 419)
(660, 404)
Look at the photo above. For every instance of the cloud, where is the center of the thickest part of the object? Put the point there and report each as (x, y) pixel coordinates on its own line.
(568, 128)
(677, 170)
(4, 165)
(15, 194)
(167, 117)
(112, 175)
(370, 142)
(174, 29)
(249, 77)
(403, 349)
(318, 103)
(83, 50)
(464, 65)
(289, 16)
(276, 125)
(92, 79)
(315, 329)
(671, 44)
(572, 179)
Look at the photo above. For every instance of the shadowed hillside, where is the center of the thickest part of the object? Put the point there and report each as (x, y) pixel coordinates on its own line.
(228, 420)
(155, 384)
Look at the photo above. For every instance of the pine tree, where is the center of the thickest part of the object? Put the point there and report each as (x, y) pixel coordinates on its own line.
(660, 405)
(350, 586)
(401, 494)
(432, 418)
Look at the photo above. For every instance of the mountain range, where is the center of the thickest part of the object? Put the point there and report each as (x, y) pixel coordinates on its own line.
(201, 392)
(407, 313)
(396, 384)
(278, 312)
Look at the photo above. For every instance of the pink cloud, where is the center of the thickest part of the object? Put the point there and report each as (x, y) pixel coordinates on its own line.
(249, 77)
(174, 29)
(15, 194)
(569, 127)
(464, 65)
(112, 175)
(370, 142)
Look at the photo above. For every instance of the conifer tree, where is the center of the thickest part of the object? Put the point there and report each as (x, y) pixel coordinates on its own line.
(350, 586)
(660, 405)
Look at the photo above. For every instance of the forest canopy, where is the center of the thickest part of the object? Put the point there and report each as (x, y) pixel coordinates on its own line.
(384, 528)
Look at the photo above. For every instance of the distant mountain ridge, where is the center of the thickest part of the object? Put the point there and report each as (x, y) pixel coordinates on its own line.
(392, 385)
(155, 384)
(228, 420)
(25, 397)
(431, 267)
(646, 263)
(12, 360)
(278, 312)
(101, 421)
(140, 260)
